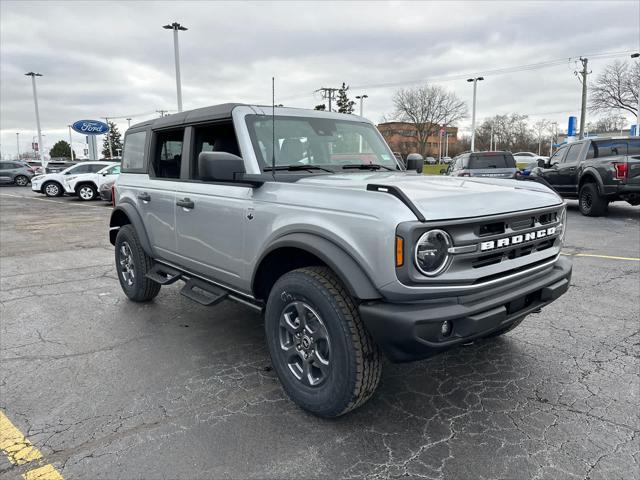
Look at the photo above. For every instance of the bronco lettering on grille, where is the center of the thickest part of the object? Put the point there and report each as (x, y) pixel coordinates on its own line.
(517, 239)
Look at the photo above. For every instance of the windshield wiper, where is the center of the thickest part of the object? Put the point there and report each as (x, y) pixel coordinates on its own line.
(365, 166)
(293, 168)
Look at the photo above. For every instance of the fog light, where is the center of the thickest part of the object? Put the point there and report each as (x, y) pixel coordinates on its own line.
(445, 328)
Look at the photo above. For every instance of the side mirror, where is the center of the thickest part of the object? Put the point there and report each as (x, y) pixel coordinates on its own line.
(443, 171)
(220, 167)
(104, 174)
(541, 163)
(415, 162)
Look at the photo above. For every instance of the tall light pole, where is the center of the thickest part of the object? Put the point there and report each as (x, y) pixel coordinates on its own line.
(175, 26)
(18, 143)
(637, 55)
(33, 76)
(70, 142)
(473, 114)
(361, 98)
(129, 123)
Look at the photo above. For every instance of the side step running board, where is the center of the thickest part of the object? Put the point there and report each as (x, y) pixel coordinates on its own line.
(202, 292)
(163, 274)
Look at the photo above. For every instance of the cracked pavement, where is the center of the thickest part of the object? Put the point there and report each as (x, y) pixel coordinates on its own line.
(106, 388)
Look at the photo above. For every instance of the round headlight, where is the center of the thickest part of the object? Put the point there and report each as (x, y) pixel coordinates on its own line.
(432, 252)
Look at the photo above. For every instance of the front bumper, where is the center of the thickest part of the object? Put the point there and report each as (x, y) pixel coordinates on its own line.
(411, 331)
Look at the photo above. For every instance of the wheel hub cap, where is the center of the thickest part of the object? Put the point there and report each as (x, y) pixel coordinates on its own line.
(126, 264)
(304, 343)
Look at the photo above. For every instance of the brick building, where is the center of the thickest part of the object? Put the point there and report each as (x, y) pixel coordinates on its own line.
(401, 137)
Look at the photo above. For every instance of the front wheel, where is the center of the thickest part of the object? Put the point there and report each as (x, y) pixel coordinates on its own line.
(326, 361)
(87, 192)
(590, 202)
(132, 265)
(21, 180)
(52, 189)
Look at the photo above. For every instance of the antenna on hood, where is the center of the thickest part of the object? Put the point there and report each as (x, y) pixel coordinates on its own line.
(273, 127)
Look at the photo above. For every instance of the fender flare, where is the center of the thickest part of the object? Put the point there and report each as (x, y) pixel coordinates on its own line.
(595, 174)
(134, 219)
(345, 267)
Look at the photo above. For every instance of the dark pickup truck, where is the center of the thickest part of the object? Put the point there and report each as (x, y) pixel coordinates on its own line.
(595, 171)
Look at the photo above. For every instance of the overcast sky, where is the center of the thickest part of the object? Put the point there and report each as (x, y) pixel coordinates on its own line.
(114, 59)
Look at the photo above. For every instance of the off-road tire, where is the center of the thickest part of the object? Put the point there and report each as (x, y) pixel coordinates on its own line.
(141, 289)
(21, 180)
(590, 202)
(49, 192)
(87, 192)
(355, 360)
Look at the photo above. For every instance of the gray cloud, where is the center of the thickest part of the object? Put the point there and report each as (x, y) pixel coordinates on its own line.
(112, 59)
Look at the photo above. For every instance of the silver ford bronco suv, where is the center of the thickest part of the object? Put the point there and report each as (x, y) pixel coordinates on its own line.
(308, 217)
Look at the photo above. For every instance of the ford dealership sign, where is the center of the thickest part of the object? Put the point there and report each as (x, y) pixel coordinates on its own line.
(90, 127)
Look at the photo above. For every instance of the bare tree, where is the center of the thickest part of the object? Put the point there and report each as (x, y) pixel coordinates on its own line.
(616, 88)
(540, 127)
(428, 108)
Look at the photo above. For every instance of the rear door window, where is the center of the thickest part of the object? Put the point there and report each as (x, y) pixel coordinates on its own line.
(491, 161)
(133, 154)
(573, 154)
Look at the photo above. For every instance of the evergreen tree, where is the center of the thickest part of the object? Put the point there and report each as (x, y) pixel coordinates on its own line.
(345, 105)
(116, 141)
(60, 150)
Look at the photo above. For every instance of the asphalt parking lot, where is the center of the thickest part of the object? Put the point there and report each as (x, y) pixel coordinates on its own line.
(106, 388)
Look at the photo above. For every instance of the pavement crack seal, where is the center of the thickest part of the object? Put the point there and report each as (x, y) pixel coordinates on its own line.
(22, 453)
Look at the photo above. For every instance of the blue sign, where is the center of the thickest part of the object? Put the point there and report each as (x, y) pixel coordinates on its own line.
(90, 127)
(571, 130)
(634, 131)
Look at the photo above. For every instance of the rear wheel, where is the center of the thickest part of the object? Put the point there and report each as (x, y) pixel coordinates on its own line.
(52, 189)
(327, 362)
(590, 202)
(132, 265)
(21, 180)
(87, 192)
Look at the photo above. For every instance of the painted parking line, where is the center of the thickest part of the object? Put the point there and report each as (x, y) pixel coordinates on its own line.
(20, 451)
(84, 204)
(606, 257)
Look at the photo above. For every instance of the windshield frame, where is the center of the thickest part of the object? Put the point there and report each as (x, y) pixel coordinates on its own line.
(250, 119)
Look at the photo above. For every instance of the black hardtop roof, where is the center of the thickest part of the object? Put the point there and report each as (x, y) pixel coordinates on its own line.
(213, 112)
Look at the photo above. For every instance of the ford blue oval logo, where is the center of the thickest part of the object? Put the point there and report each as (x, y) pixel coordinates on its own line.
(90, 127)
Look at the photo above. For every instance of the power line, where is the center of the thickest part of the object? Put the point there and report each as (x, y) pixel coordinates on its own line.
(462, 76)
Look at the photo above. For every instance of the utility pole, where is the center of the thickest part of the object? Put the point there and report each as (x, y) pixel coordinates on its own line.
(473, 115)
(637, 57)
(109, 138)
(18, 143)
(33, 76)
(128, 123)
(555, 137)
(491, 138)
(583, 111)
(446, 145)
(70, 142)
(176, 27)
(327, 93)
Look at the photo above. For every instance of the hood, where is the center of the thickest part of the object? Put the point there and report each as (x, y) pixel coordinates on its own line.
(442, 198)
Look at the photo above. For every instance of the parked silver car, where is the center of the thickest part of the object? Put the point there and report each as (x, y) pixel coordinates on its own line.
(16, 172)
(309, 218)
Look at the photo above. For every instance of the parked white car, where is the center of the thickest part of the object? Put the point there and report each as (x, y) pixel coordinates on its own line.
(52, 184)
(87, 185)
(528, 157)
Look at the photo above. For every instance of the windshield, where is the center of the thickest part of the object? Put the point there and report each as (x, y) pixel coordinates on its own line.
(325, 142)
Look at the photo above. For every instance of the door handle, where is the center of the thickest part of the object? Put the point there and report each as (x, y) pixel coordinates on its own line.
(185, 203)
(145, 197)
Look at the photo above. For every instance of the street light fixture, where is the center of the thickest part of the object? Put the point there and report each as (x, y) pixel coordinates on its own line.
(361, 98)
(33, 76)
(175, 26)
(636, 55)
(473, 114)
